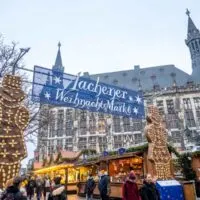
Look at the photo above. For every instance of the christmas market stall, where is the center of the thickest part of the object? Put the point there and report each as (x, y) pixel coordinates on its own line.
(118, 165)
(62, 164)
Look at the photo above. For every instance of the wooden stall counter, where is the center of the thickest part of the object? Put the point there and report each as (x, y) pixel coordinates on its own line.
(71, 188)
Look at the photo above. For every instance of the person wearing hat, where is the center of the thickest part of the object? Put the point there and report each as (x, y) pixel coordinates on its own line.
(130, 189)
(13, 191)
(149, 191)
(89, 187)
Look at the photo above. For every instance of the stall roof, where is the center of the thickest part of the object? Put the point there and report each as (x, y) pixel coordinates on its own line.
(37, 165)
(70, 154)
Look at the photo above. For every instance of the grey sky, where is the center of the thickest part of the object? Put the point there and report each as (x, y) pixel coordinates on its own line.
(100, 35)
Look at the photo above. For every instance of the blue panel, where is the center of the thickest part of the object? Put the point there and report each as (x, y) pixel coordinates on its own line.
(170, 190)
(59, 89)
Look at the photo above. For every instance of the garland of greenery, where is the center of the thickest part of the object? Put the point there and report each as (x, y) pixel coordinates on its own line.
(185, 161)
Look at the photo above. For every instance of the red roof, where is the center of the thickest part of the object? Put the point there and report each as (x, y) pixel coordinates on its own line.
(37, 165)
(70, 154)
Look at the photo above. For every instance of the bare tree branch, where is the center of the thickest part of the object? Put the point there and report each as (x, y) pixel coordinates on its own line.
(38, 120)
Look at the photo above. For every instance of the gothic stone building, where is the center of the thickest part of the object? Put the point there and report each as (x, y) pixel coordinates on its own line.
(176, 93)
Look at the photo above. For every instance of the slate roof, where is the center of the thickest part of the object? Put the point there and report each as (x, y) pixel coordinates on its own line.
(146, 78)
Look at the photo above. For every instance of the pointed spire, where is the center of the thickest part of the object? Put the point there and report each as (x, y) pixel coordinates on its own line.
(58, 62)
(192, 29)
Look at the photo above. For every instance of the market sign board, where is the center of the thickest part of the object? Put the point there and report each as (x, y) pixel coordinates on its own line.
(79, 92)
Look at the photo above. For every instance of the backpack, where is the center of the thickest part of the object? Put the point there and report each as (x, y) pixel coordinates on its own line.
(91, 185)
(9, 196)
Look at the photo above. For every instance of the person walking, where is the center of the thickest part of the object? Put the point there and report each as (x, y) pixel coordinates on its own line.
(149, 191)
(30, 188)
(104, 185)
(47, 187)
(58, 192)
(13, 191)
(39, 187)
(89, 187)
(130, 189)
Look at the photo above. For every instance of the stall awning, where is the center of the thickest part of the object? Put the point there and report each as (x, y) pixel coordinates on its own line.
(53, 168)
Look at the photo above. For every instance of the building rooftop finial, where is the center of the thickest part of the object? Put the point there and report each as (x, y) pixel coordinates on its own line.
(187, 12)
(59, 45)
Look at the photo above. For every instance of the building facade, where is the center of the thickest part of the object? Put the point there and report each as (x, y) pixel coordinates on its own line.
(176, 93)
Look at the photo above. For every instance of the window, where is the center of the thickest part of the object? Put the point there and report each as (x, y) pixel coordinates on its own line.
(126, 124)
(160, 106)
(83, 122)
(59, 144)
(115, 81)
(92, 124)
(198, 117)
(52, 126)
(197, 103)
(187, 104)
(60, 128)
(83, 127)
(170, 106)
(102, 143)
(69, 144)
(102, 126)
(134, 79)
(138, 138)
(189, 117)
(172, 121)
(92, 142)
(116, 123)
(82, 143)
(137, 125)
(176, 137)
(69, 122)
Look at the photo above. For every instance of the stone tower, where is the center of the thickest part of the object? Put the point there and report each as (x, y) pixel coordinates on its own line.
(193, 42)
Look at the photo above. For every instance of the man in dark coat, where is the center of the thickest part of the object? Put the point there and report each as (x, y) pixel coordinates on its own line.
(30, 188)
(89, 187)
(149, 191)
(104, 186)
(13, 191)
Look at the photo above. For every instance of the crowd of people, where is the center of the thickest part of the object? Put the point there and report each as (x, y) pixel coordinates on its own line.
(31, 188)
(23, 188)
(130, 189)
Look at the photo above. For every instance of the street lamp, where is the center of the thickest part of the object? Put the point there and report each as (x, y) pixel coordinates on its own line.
(23, 51)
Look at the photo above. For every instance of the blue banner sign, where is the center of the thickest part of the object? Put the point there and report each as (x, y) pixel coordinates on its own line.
(60, 89)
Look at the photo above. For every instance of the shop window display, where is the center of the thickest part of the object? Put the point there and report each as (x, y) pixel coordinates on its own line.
(120, 168)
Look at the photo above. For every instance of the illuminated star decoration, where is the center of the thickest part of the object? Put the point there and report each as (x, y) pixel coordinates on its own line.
(135, 110)
(138, 99)
(47, 95)
(57, 80)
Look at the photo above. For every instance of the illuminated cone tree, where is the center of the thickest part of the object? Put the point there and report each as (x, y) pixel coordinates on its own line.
(13, 120)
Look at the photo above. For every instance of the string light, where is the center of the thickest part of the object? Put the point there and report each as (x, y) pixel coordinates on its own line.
(158, 152)
(13, 120)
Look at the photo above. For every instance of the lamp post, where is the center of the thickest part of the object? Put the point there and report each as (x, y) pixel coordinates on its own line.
(23, 51)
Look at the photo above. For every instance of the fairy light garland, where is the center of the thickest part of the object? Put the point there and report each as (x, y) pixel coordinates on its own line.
(13, 120)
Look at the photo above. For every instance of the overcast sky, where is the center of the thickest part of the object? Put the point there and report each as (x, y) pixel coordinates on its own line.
(100, 35)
